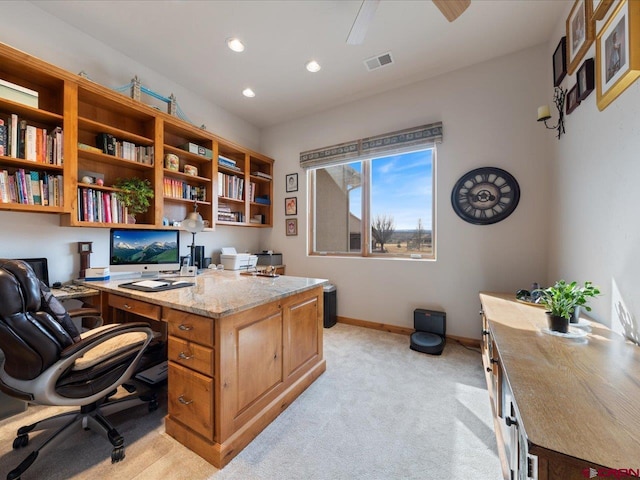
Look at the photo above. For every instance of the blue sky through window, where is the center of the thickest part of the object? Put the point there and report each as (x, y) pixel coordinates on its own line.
(402, 187)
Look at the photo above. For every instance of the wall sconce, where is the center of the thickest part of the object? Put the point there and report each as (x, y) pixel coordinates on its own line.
(559, 95)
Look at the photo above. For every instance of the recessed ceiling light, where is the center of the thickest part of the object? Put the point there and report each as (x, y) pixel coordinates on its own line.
(313, 66)
(247, 92)
(235, 45)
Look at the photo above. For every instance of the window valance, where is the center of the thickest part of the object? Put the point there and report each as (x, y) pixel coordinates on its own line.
(394, 142)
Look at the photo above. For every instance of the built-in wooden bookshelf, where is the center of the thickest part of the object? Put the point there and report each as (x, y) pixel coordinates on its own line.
(85, 110)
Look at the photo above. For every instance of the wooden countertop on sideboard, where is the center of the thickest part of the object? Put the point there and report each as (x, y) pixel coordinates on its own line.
(579, 397)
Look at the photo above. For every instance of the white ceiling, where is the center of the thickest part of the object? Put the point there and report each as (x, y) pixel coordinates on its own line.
(185, 41)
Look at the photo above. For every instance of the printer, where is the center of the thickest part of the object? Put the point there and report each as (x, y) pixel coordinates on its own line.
(237, 261)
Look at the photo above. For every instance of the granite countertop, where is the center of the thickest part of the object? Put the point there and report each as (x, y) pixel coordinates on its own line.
(216, 293)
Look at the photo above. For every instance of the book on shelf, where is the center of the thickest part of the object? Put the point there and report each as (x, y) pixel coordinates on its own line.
(30, 188)
(263, 199)
(30, 143)
(107, 143)
(260, 174)
(13, 137)
(3, 138)
(88, 148)
(225, 160)
(18, 94)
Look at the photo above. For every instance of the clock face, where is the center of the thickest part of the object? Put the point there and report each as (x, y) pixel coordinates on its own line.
(485, 195)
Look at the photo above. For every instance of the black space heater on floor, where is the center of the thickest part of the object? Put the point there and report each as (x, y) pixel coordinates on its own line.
(431, 331)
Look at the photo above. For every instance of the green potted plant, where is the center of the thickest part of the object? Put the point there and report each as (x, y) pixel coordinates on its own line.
(562, 299)
(135, 194)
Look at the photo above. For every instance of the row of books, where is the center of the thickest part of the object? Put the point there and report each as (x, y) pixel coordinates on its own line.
(230, 186)
(100, 206)
(19, 139)
(181, 189)
(31, 188)
(124, 149)
(225, 214)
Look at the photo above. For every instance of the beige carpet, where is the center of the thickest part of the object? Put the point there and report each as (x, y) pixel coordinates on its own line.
(380, 411)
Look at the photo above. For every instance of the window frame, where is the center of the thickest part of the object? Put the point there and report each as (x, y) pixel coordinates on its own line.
(365, 227)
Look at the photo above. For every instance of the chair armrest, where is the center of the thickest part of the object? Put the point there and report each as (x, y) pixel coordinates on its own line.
(78, 349)
(87, 313)
(84, 312)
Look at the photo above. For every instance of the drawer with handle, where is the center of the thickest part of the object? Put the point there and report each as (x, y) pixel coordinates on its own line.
(189, 326)
(190, 399)
(191, 355)
(136, 307)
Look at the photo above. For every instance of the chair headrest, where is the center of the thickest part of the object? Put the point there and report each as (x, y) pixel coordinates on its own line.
(19, 287)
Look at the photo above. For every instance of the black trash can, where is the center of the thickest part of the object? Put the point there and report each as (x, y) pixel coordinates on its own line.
(330, 306)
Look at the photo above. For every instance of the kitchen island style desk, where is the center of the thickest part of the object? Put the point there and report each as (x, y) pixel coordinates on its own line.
(240, 349)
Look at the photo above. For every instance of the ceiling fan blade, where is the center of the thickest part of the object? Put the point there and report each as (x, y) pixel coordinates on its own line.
(362, 21)
(452, 9)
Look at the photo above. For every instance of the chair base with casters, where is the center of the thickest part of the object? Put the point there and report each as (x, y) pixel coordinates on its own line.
(89, 417)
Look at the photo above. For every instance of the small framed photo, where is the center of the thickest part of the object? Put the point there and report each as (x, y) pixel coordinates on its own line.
(579, 33)
(617, 52)
(560, 62)
(292, 182)
(585, 79)
(292, 226)
(291, 206)
(572, 99)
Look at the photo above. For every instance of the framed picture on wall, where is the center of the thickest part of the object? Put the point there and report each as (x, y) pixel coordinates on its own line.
(572, 99)
(585, 79)
(292, 182)
(292, 226)
(560, 62)
(579, 33)
(618, 52)
(291, 206)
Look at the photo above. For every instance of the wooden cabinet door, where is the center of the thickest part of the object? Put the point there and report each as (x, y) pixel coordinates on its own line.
(300, 333)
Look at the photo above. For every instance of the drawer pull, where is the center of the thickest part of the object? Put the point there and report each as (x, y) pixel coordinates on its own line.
(127, 306)
(184, 356)
(185, 328)
(183, 401)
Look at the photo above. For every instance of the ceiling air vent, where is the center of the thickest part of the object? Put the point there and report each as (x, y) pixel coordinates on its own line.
(378, 61)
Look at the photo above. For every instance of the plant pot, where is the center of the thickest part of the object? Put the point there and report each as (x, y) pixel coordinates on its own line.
(557, 324)
(575, 318)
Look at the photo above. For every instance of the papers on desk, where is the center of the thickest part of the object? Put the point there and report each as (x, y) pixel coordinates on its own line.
(150, 283)
(156, 285)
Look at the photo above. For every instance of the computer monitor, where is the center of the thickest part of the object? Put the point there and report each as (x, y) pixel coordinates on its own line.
(146, 251)
(40, 267)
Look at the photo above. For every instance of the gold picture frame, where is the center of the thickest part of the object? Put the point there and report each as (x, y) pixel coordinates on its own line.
(599, 8)
(580, 35)
(618, 53)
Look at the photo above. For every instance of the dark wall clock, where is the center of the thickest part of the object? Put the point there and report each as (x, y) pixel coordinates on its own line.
(485, 195)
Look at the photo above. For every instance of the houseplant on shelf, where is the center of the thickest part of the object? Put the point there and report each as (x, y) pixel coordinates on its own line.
(135, 194)
(562, 299)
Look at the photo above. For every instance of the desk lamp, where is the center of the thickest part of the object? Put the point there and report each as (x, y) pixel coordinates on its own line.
(193, 223)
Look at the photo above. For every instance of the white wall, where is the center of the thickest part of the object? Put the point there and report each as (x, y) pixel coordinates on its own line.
(38, 235)
(488, 112)
(595, 171)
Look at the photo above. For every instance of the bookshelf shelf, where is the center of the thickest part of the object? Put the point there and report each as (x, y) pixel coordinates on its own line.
(85, 109)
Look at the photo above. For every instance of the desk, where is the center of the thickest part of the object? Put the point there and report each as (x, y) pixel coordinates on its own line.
(562, 406)
(241, 349)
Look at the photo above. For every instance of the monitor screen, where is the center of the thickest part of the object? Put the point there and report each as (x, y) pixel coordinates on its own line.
(40, 267)
(144, 250)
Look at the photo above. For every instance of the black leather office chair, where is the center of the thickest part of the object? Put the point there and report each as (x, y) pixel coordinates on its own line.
(47, 362)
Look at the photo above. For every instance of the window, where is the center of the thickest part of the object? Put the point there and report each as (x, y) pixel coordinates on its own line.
(382, 206)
